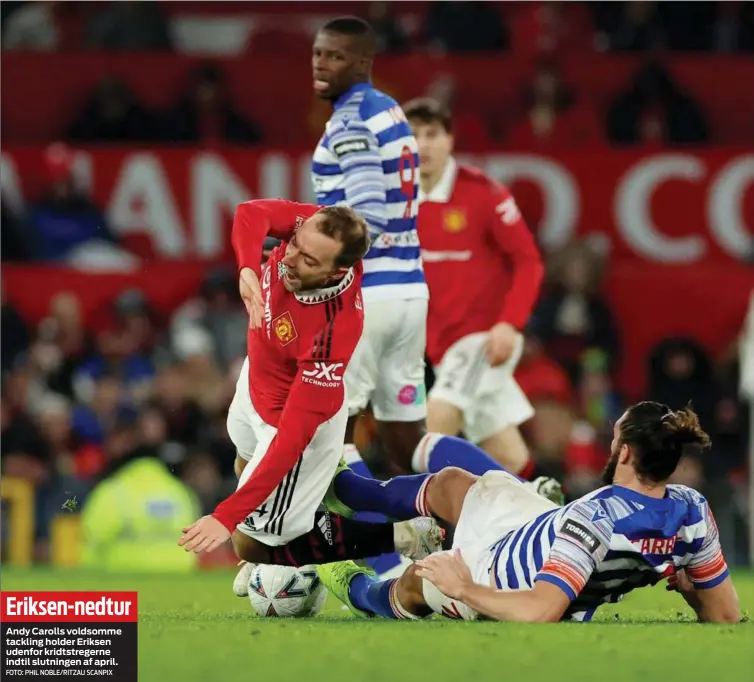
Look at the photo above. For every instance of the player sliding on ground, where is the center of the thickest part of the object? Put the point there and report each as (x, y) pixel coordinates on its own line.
(288, 416)
(518, 557)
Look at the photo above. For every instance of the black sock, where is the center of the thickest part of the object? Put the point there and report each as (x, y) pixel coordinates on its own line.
(335, 538)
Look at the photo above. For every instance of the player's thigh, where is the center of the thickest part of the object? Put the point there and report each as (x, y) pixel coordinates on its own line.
(442, 417)
(458, 375)
(290, 509)
(400, 395)
(476, 559)
(363, 369)
(507, 446)
(243, 422)
(496, 504)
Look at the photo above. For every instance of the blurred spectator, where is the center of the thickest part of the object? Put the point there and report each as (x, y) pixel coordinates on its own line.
(745, 28)
(688, 26)
(112, 114)
(15, 334)
(547, 28)
(470, 129)
(680, 372)
(183, 417)
(390, 35)
(129, 25)
(554, 116)
(540, 377)
(465, 27)
(32, 26)
(205, 113)
(655, 111)
(218, 309)
(139, 532)
(627, 26)
(67, 227)
(16, 245)
(572, 317)
(62, 343)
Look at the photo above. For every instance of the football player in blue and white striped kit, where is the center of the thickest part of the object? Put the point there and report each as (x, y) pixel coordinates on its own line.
(518, 557)
(367, 159)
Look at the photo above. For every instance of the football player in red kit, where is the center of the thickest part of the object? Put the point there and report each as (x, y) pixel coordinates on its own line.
(288, 416)
(484, 272)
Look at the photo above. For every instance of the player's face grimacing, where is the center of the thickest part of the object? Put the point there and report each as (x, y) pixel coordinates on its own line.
(337, 64)
(310, 258)
(435, 147)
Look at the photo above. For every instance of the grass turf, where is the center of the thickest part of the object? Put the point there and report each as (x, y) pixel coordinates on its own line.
(192, 629)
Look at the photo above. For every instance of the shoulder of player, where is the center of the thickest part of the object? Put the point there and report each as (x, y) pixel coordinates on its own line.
(473, 178)
(683, 492)
(335, 326)
(589, 513)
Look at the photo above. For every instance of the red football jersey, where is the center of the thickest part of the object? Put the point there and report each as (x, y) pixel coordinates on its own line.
(298, 358)
(480, 259)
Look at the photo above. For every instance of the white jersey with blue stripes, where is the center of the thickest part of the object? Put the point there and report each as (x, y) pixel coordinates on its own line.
(368, 159)
(609, 542)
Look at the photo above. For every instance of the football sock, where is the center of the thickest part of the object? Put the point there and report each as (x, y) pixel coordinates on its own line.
(353, 458)
(435, 452)
(378, 598)
(402, 497)
(335, 538)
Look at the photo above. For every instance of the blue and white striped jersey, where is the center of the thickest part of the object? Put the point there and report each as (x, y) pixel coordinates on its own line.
(368, 159)
(609, 542)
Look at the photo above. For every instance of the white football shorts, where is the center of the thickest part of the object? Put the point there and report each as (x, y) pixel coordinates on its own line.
(489, 397)
(289, 511)
(387, 367)
(494, 506)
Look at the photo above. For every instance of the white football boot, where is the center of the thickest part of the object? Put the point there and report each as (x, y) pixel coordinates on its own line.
(241, 582)
(417, 538)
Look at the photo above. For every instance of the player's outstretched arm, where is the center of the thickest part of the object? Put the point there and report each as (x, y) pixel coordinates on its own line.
(718, 604)
(546, 603)
(255, 220)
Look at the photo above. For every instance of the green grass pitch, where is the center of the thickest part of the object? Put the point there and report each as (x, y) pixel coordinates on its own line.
(193, 629)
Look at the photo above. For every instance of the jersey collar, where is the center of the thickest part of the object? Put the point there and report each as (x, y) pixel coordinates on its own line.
(348, 93)
(444, 188)
(321, 295)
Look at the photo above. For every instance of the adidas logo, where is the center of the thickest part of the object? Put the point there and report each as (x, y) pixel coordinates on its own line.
(326, 528)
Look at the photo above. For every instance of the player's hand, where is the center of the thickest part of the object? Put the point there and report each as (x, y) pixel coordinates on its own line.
(447, 572)
(679, 582)
(206, 535)
(501, 343)
(251, 295)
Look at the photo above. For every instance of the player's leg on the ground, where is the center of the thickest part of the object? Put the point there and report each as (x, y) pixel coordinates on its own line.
(335, 538)
(404, 497)
(397, 598)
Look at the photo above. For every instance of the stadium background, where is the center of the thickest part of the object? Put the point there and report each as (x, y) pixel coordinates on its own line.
(625, 131)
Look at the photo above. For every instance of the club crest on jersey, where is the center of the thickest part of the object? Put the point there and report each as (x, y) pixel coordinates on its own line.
(455, 220)
(283, 327)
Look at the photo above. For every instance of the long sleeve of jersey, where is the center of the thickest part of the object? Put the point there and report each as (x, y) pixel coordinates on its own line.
(316, 396)
(578, 548)
(516, 242)
(707, 567)
(358, 152)
(255, 220)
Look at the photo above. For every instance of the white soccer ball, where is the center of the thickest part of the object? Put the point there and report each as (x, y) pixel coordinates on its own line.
(285, 591)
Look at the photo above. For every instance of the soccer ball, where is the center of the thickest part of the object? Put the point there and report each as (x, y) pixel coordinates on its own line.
(286, 591)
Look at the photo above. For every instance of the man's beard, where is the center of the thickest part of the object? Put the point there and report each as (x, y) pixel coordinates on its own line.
(608, 473)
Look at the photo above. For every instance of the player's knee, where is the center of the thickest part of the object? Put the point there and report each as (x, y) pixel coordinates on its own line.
(239, 465)
(446, 492)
